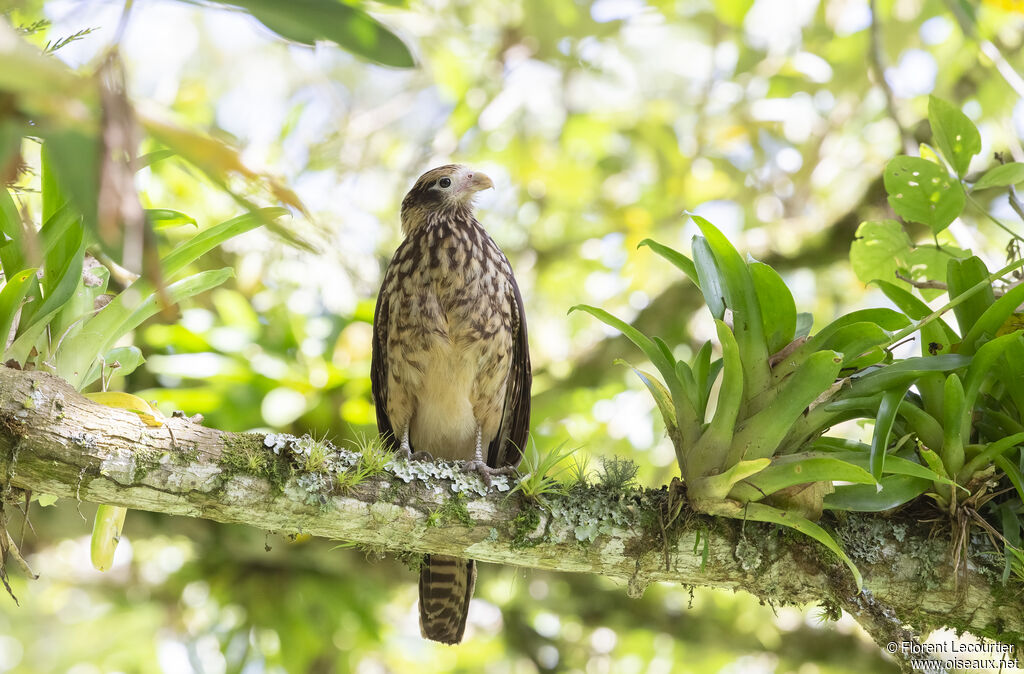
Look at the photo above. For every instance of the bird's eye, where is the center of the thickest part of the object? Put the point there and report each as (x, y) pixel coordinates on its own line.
(445, 182)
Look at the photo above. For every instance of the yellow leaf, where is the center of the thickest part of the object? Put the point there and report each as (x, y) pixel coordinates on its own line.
(106, 533)
(133, 403)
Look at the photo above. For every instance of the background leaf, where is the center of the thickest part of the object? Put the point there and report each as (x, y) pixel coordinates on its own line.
(307, 21)
(1001, 176)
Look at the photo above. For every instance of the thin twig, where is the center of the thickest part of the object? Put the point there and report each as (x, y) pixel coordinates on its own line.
(929, 285)
(991, 217)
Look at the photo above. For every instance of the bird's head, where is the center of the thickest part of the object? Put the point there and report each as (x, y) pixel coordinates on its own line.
(445, 189)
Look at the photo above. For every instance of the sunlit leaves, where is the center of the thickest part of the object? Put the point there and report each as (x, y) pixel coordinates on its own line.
(921, 191)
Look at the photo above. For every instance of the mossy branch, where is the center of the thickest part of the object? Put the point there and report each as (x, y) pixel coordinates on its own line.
(54, 441)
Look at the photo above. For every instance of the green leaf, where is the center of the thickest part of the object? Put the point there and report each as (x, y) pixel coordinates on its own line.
(124, 313)
(988, 323)
(887, 411)
(856, 339)
(307, 21)
(683, 263)
(961, 276)
(11, 298)
(804, 323)
(686, 379)
(719, 485)
(778, 309)
(763, 513)
(896, 490)
(163, 218)
(903, 372)
(665, 366)
(953, 422)
(685, 415)
(920, 191)
(934, 461)
(188, 251)
(58, 236)
(1013, 473)
(708, 279)
(954, 133)
(120, 361)
(761, 434)
(981, 367)
(793, 469)
(741, 298)
(1001, 176)
(709, 450)
(12, 252)
(882, 249)
(75, 157)
(702, 378)
(151, 158)
(859, 454)
(1011, 373)
(936, 337)
(59, 283)
(989, 455)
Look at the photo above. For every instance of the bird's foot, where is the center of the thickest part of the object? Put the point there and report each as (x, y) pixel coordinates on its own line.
(486, 473)
(405, 452)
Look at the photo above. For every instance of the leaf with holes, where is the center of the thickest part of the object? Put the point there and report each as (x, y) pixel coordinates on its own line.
(882, 249)
(921, 191)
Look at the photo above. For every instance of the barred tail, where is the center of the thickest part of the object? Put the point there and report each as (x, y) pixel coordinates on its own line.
(446, 585)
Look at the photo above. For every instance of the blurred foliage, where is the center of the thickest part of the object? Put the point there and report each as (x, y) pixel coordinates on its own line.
(600, 123)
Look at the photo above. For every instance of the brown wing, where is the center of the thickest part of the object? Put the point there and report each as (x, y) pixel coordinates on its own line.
(379, 366)
(507, 447)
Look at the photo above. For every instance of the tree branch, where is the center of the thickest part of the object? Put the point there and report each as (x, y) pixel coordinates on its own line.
(52, 440)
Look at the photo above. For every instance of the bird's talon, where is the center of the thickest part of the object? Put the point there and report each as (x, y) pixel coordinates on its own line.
(486, 473)
(405, 453)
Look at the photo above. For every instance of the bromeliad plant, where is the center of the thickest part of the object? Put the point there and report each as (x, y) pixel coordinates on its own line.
(945, 422)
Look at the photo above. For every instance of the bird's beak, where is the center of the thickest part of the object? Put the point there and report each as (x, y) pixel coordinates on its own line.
(477, 181)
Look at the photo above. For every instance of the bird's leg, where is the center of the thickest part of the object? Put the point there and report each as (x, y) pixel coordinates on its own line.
(479, 466)
(405, 450)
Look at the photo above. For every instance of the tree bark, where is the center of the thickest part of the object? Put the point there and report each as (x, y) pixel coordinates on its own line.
(54, 441)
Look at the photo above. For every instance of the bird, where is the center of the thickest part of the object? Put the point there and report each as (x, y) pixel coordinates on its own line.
(450, 363)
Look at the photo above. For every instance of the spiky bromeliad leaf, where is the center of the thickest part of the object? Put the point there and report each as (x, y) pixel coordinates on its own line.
(742, 299)
(887, 410)
(683, 263)
(764, 513)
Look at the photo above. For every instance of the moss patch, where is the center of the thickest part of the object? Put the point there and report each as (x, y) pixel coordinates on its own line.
(246, 453)
(453, 510)
(523, 526)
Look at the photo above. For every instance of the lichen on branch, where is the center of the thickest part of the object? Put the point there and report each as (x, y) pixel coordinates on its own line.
(54, 441)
